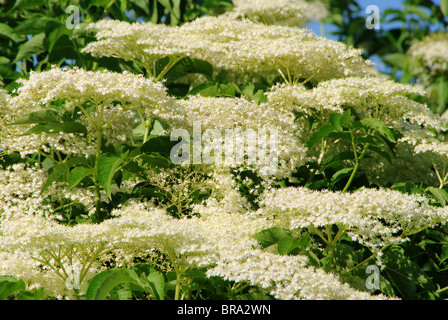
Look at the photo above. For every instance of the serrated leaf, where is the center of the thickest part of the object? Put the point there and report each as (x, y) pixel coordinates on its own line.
(189, 66)
(156, 281)
(271, 236)
(345, 118)
(321, 133)
(60, 169)
(7, 32)
(341, 174)
(78, 174)
(104, 282)
(444, 7)
(404, 274)
(288, 245)
(67, 127)
(43, 116)
(34, 46)
(440, 194)
(381, 152)
(376, 125)
(158, 144)
(9, 285)
(335, 120)
(108, 164)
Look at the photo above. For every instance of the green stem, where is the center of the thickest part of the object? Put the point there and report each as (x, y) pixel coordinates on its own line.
(442, 290)
(357, 159)
(168, 67)
(99, 135)
(178, 280)
(366, 260)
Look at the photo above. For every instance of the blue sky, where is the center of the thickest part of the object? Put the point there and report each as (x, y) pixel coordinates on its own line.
(382, 5)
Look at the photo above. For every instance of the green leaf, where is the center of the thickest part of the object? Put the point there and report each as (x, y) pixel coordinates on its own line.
(104, 282)
(207, 89)
(43, 116)
(344, 256)
(189, 66)
(108, 164)
(381, 152)
(336, 160)
(321, 133)
(27, 4)
(395, 59)
(173, 6)
(100, 3)
(271, 236)
(53, 31)
(345, 118)
(341, 174)
(375, 125)
(158, 144)
(156, 281)
(60, 169)
(440, 194)
(444, 7)
(9, 285)
(404, 274)
(7, 32)
(444, 254)
(335, 120)
(78, 174)
(290, 245)
(29, 295)
(67, 127)
(34, 46)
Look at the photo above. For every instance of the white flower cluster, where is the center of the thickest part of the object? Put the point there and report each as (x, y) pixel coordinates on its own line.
(247, 122)
(15, 140)
(143, 43)
(20, 192)
(286, 277)
(372, 217)
(371, 96)
(3, 102)
(229, 44)
(431, 53)
(285, 12)
(115, 96)
(97, 87)
(217, 238)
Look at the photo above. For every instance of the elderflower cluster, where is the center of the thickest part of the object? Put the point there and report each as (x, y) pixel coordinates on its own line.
(229, 44)
(241, 125)
(284, 12)
(33, 273)
(3, 102)
(97, 87)
(143, 43)
(285, 277)
(372, 217)
(15, 139)
(293, 52)
(371, 96)
(20, 192)
(431, 53)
